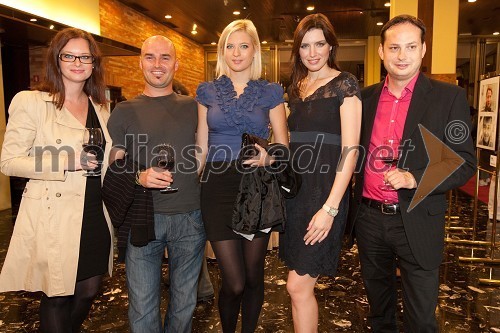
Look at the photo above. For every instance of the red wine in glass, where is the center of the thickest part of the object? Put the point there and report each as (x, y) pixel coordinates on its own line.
(165, 159)
(165, 164)
(389, 155)
(389, 160)
(92, 143)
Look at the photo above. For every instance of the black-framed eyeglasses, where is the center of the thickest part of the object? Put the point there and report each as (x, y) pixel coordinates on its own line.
(84, 59)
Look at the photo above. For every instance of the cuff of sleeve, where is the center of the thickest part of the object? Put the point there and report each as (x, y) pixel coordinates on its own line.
(52, 167)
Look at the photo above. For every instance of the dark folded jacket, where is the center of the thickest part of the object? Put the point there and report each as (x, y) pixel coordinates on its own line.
(259, 203)
(289, 180)
(129, 205)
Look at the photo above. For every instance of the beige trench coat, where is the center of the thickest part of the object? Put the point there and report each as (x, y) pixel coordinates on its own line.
(44, 248)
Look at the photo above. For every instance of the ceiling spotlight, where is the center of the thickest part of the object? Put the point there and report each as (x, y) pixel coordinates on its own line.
(213, 43)
(236, 12)
(168, 17)
(33, 19)
(387, 4)
(264, 42)
(361, 12)
(380, 23)
(310, 8)
(51, 27)
(496, 33)
(471, 0)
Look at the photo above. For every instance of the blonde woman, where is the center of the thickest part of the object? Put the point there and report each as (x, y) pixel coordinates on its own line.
(236, 102)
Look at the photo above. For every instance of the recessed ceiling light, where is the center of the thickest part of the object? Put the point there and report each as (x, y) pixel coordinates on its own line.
(264, 42)
(33, 19)
(194, 32)
(471, 0)
(213, 43)
(361, 12)
(496, 33)
(387, 4)
(310, 8)
(380, 23)
(168, 17)
(236, 12)
(51, 27)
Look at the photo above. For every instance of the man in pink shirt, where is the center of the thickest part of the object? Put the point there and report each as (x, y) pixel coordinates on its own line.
(386, 229)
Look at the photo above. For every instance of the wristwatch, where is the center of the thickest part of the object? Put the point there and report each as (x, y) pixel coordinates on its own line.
(331, 211)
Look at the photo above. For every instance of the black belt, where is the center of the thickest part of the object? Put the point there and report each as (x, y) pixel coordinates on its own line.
(384, 208)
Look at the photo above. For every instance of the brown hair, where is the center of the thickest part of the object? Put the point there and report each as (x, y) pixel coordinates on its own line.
(299, 70)
(401, 19)
(53, 84)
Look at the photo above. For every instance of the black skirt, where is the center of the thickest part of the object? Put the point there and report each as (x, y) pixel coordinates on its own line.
(219, 188)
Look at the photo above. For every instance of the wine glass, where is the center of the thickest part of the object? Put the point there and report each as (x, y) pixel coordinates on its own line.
(92, 143)
(165, 159)
(389, 154)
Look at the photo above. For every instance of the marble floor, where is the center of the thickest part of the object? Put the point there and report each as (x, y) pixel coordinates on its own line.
(465, 304)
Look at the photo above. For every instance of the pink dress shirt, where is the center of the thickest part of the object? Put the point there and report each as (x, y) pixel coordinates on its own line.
(389, 121)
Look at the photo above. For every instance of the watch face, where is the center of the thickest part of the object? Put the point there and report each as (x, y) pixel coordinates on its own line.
(330, 210)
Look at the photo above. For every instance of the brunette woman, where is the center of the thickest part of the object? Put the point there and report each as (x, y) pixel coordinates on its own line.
(61, 244)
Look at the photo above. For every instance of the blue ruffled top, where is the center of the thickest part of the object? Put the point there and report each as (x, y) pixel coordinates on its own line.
(228, 116)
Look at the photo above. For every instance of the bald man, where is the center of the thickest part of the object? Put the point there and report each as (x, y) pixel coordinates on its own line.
(138, 127)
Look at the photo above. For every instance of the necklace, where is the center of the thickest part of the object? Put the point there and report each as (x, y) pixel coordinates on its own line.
(309, 84)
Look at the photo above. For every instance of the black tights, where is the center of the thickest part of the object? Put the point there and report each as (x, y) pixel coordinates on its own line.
(65, 314)
(241, 263)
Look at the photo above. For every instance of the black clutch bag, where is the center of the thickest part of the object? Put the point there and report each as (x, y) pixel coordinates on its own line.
(248, 150)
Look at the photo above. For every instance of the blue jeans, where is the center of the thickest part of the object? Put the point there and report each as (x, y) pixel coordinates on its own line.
(184, 237)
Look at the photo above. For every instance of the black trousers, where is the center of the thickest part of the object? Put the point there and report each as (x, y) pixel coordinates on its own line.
(383, 245)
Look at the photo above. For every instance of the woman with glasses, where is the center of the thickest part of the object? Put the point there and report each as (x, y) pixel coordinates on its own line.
(61, 244)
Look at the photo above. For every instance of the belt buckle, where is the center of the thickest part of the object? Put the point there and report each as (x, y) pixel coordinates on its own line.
(389, 209)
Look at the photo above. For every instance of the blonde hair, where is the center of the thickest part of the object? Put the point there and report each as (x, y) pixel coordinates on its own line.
(239, 25)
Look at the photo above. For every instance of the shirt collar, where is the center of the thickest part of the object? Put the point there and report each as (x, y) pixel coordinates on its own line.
(409, 87)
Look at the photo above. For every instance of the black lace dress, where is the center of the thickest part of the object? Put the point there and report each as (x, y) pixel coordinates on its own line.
(315, 143)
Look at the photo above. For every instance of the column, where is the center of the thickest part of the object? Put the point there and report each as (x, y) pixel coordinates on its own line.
(372, 61)
(4, 180)
(399, 7)
(444, 40)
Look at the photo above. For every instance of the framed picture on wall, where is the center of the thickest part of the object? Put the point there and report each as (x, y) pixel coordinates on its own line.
(488, 113)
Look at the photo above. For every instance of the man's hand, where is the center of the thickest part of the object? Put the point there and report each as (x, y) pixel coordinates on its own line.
(399, 178)
(155, 178)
